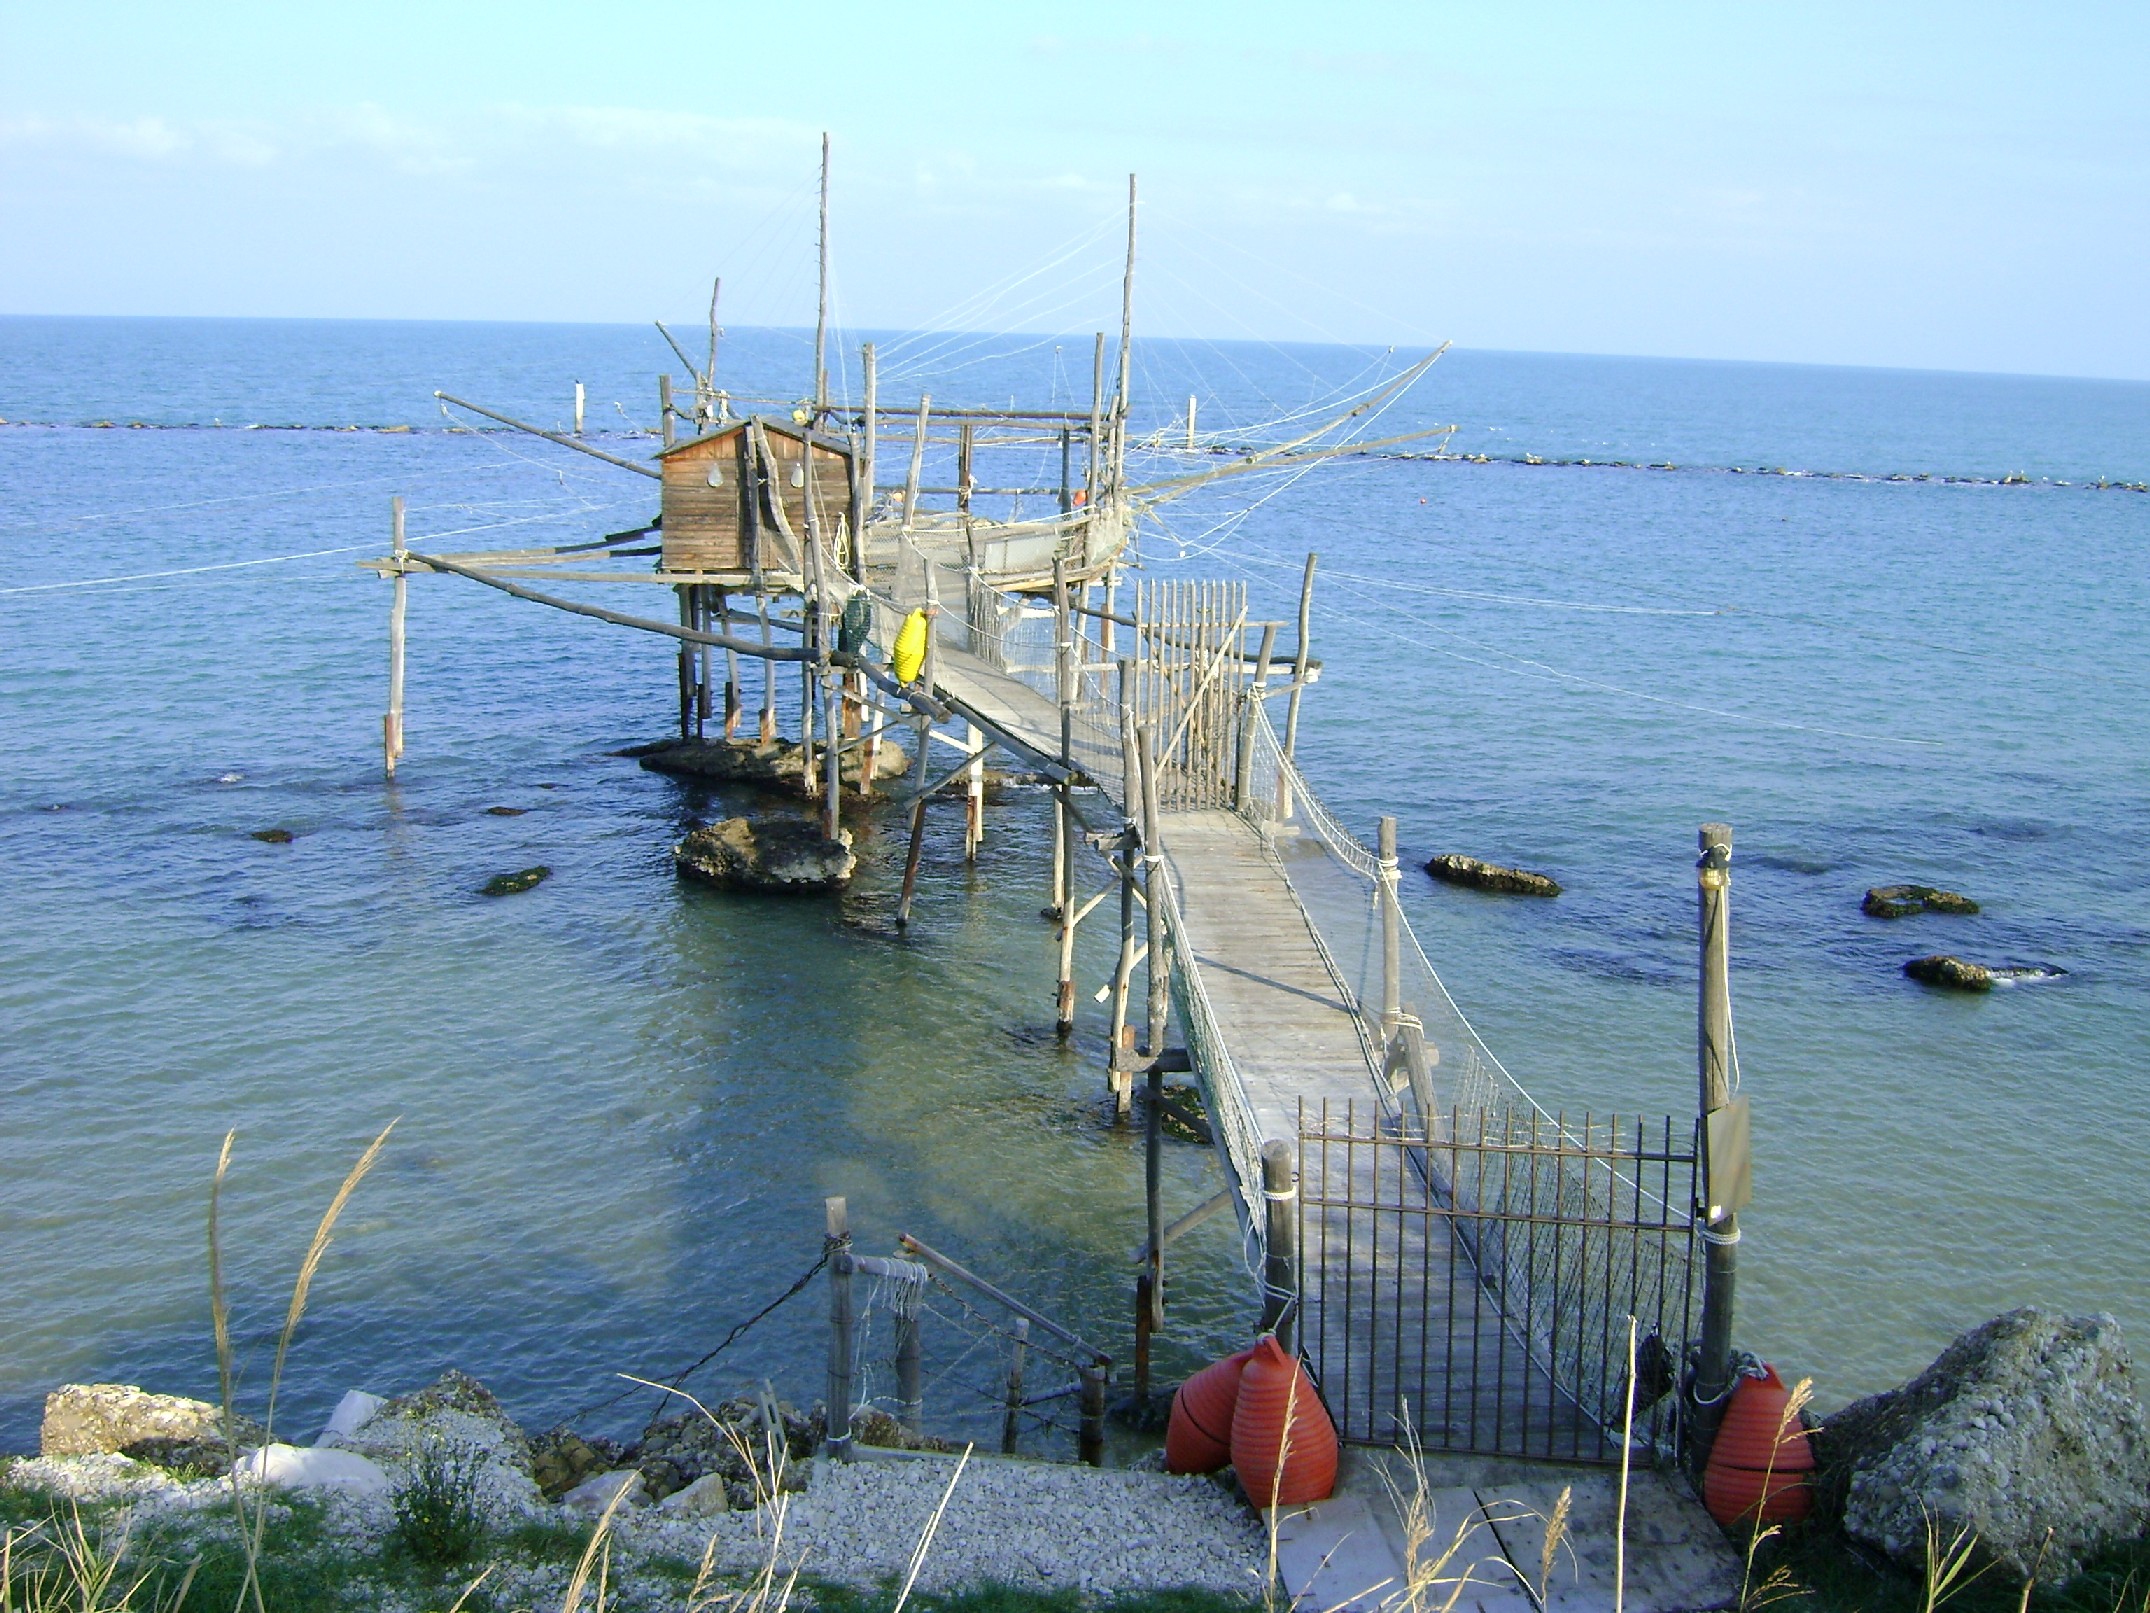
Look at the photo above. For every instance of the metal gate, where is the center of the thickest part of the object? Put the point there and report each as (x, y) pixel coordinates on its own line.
(1469, 1285)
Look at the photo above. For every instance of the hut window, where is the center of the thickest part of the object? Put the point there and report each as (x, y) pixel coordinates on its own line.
(716, 473)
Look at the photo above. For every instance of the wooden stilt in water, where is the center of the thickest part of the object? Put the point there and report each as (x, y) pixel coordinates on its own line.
(392, 721)
(1011, 1419)
(1065, 679)
(686, 664)
(768, 676)
(838, 1224)
(1150, 1287)
(910, 1387)
(1130, 844)
(731, 669)
(578, 408)
(1158, 965)
(973, 793)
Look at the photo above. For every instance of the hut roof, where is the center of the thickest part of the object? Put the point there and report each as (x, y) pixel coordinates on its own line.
(775, 424)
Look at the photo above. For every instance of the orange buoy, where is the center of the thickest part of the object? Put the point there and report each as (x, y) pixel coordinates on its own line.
(1199, 1437)
(1754, 1476)
(1272, 1388)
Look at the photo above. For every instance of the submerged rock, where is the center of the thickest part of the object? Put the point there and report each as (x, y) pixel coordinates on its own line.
(516, 883)
(2027, 1425)
(274, 837)
(776, 764)
(769, 854)
(505, 812)
(1453, 869)
(1901, 901)
(1950, 973)
(171, 1431)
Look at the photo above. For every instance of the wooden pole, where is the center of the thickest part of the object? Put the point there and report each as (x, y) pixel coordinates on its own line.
(1130, 840)
(1713, 1058)
(1011, 1420)
(838, 1224)
(1127, 304)
(910, 1388)
(578, 408)
(686, 662)
(869, 448)
(1190, 420)
(768, 675)
(1391, 939)
(1157, 967)
(664, 407)
(392, 721)
(1298, 683)
(1097, 422)
(731, 668)
(1280, 1269)
(1250, 704)
(1150, 1299)
(821, 313)
(1067, 486)
(705, 387)
(1090, 1439)
(1065, 676)
(918, 459)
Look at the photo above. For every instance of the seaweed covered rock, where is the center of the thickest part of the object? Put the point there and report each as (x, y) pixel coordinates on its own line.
(170, 1431)
(774, 764)
(1950, 973)
(766, 854)
(1454, 869)
(2026, 1425)
(1901, 901)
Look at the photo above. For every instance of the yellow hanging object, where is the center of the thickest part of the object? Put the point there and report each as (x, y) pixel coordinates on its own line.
(910, 648)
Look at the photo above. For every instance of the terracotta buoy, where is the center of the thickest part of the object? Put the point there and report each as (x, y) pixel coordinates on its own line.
(1753, 1477)
(1199, 1437)
(1272, 1382)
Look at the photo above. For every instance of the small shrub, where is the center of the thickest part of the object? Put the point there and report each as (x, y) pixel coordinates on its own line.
(438, 1519)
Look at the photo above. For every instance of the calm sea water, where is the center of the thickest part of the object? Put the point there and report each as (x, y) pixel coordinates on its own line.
(620, 1101)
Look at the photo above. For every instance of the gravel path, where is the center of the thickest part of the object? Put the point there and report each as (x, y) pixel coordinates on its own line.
(1034, 1524)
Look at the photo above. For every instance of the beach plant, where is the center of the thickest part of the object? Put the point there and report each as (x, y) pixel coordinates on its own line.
(439, 1520)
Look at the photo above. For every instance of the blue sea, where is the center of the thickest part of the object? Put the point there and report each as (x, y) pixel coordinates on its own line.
(1887, 625)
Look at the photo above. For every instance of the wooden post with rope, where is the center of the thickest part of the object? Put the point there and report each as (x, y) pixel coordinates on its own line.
(1391, 933)
(838, 1228)
(1714, 1062)
(392, 720)
(1157, 966)
(1011, 1419)
(1280, 1222)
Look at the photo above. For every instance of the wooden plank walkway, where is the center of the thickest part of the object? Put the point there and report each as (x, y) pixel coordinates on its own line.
(1401, 1328)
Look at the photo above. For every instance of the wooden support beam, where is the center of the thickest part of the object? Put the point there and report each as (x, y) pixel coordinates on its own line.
(1011, 1420)
(392, 721)
(1298, 686)
(550, 436)
(1714, 1064)
(1280, 1267)
(1158, 969)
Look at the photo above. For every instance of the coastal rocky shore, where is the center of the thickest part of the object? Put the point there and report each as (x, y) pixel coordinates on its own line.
(693, 1488)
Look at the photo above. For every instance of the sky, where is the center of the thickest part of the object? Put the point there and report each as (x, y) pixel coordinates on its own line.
(1956, 186)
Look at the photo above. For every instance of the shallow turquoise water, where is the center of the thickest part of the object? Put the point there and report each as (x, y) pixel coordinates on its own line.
(622, 1100)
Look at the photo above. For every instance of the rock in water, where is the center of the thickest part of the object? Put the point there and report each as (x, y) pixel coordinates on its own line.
(1901, 901)
(2028, 1424)
(772, 854)
(275, 837)
(1453, 869)
(776, 764)
(516, 883)
(1950, 973)
(84, 1419)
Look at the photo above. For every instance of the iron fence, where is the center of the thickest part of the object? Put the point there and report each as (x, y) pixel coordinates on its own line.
(1469, 1285)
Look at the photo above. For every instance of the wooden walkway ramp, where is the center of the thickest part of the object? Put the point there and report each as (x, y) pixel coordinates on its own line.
(1404, 1335)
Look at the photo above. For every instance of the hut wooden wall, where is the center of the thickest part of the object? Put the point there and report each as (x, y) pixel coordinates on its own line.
(704, 527)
